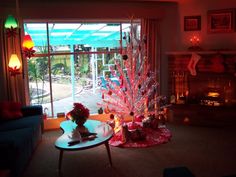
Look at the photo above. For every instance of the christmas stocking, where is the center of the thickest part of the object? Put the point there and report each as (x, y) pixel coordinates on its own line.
(192, 63)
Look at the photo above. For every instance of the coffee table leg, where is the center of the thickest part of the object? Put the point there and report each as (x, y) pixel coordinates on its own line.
(108, 152)
(60, 159)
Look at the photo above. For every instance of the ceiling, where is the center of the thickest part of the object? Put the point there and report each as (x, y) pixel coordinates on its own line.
(89, 34)
(13, 2)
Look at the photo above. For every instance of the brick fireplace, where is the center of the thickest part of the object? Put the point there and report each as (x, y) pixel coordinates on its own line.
(214, 82)
(207, 98)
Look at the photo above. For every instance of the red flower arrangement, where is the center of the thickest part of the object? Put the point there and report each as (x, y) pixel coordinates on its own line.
(79, 114)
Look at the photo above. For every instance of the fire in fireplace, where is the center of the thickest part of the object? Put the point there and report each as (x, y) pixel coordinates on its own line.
(218, 94)
(212, 98)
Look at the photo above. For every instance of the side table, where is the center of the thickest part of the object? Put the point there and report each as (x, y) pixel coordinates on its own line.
(103, 131)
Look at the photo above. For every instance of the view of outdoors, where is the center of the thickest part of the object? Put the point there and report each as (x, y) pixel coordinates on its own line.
(71, 62)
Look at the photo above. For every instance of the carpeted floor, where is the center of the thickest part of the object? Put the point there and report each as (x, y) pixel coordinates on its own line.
(206, 151)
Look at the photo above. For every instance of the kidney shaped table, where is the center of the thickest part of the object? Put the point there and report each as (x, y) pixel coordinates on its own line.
(103, 132)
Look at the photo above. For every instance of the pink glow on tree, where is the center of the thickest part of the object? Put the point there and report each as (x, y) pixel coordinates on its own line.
(136, 92)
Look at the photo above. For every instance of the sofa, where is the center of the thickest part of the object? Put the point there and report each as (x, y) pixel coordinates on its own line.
(21, 130)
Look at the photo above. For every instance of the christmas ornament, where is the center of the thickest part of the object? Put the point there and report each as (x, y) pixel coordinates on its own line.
(100, 111)
(112, 116)
(124, 57)
(109, 92)
(106, 110)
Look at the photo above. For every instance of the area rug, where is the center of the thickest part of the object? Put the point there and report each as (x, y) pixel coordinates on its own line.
(152, 137)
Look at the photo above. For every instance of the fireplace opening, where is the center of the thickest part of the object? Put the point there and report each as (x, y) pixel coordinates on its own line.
(212, 97)
(210, 89)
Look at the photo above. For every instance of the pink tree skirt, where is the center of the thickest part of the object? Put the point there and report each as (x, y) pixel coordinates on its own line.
(153, 137)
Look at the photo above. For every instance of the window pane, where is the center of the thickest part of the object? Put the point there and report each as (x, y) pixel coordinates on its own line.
(39, 88)
(38, 33)
(62, 89)
(64, 35)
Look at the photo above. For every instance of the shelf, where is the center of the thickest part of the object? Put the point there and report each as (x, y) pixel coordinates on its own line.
(210, 52)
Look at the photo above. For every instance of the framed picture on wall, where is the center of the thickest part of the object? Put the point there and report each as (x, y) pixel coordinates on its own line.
(192, 23)
(221, 21)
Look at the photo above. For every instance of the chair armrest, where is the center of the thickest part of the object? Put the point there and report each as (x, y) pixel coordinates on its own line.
(32, 110)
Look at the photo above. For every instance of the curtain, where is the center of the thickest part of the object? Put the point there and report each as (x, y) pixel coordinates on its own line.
(12, 86)
(150, 31)
(4, 95)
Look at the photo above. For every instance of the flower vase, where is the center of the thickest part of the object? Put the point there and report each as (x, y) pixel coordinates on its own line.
(80, 122)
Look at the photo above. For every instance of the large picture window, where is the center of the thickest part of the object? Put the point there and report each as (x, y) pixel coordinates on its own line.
(71, 61)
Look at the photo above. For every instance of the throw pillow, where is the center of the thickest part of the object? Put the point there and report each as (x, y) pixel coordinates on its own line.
(15, 106)
(10, 110)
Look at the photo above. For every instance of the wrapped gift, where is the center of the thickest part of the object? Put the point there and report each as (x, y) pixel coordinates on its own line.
(125, 133)
(147, 122)
(154, 123)
(137, 135)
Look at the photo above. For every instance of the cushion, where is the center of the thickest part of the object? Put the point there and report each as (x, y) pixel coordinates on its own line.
(10, 110)
(177, 172)
(32, 110)
(31, 122)
(14, 106)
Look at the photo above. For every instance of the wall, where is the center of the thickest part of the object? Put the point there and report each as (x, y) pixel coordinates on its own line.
(178, 39)
(208, 40)
(89, 10)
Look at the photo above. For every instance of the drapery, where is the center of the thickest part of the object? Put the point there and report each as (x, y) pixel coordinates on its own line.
(150, 31)
(4, 86)
(12, 87)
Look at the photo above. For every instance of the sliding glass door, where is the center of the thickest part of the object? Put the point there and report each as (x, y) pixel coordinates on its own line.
(71, 61)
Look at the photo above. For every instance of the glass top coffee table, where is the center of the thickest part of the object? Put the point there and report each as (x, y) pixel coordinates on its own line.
(94, 133)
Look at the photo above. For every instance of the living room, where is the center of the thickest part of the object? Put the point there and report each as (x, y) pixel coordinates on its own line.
(192, 60)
